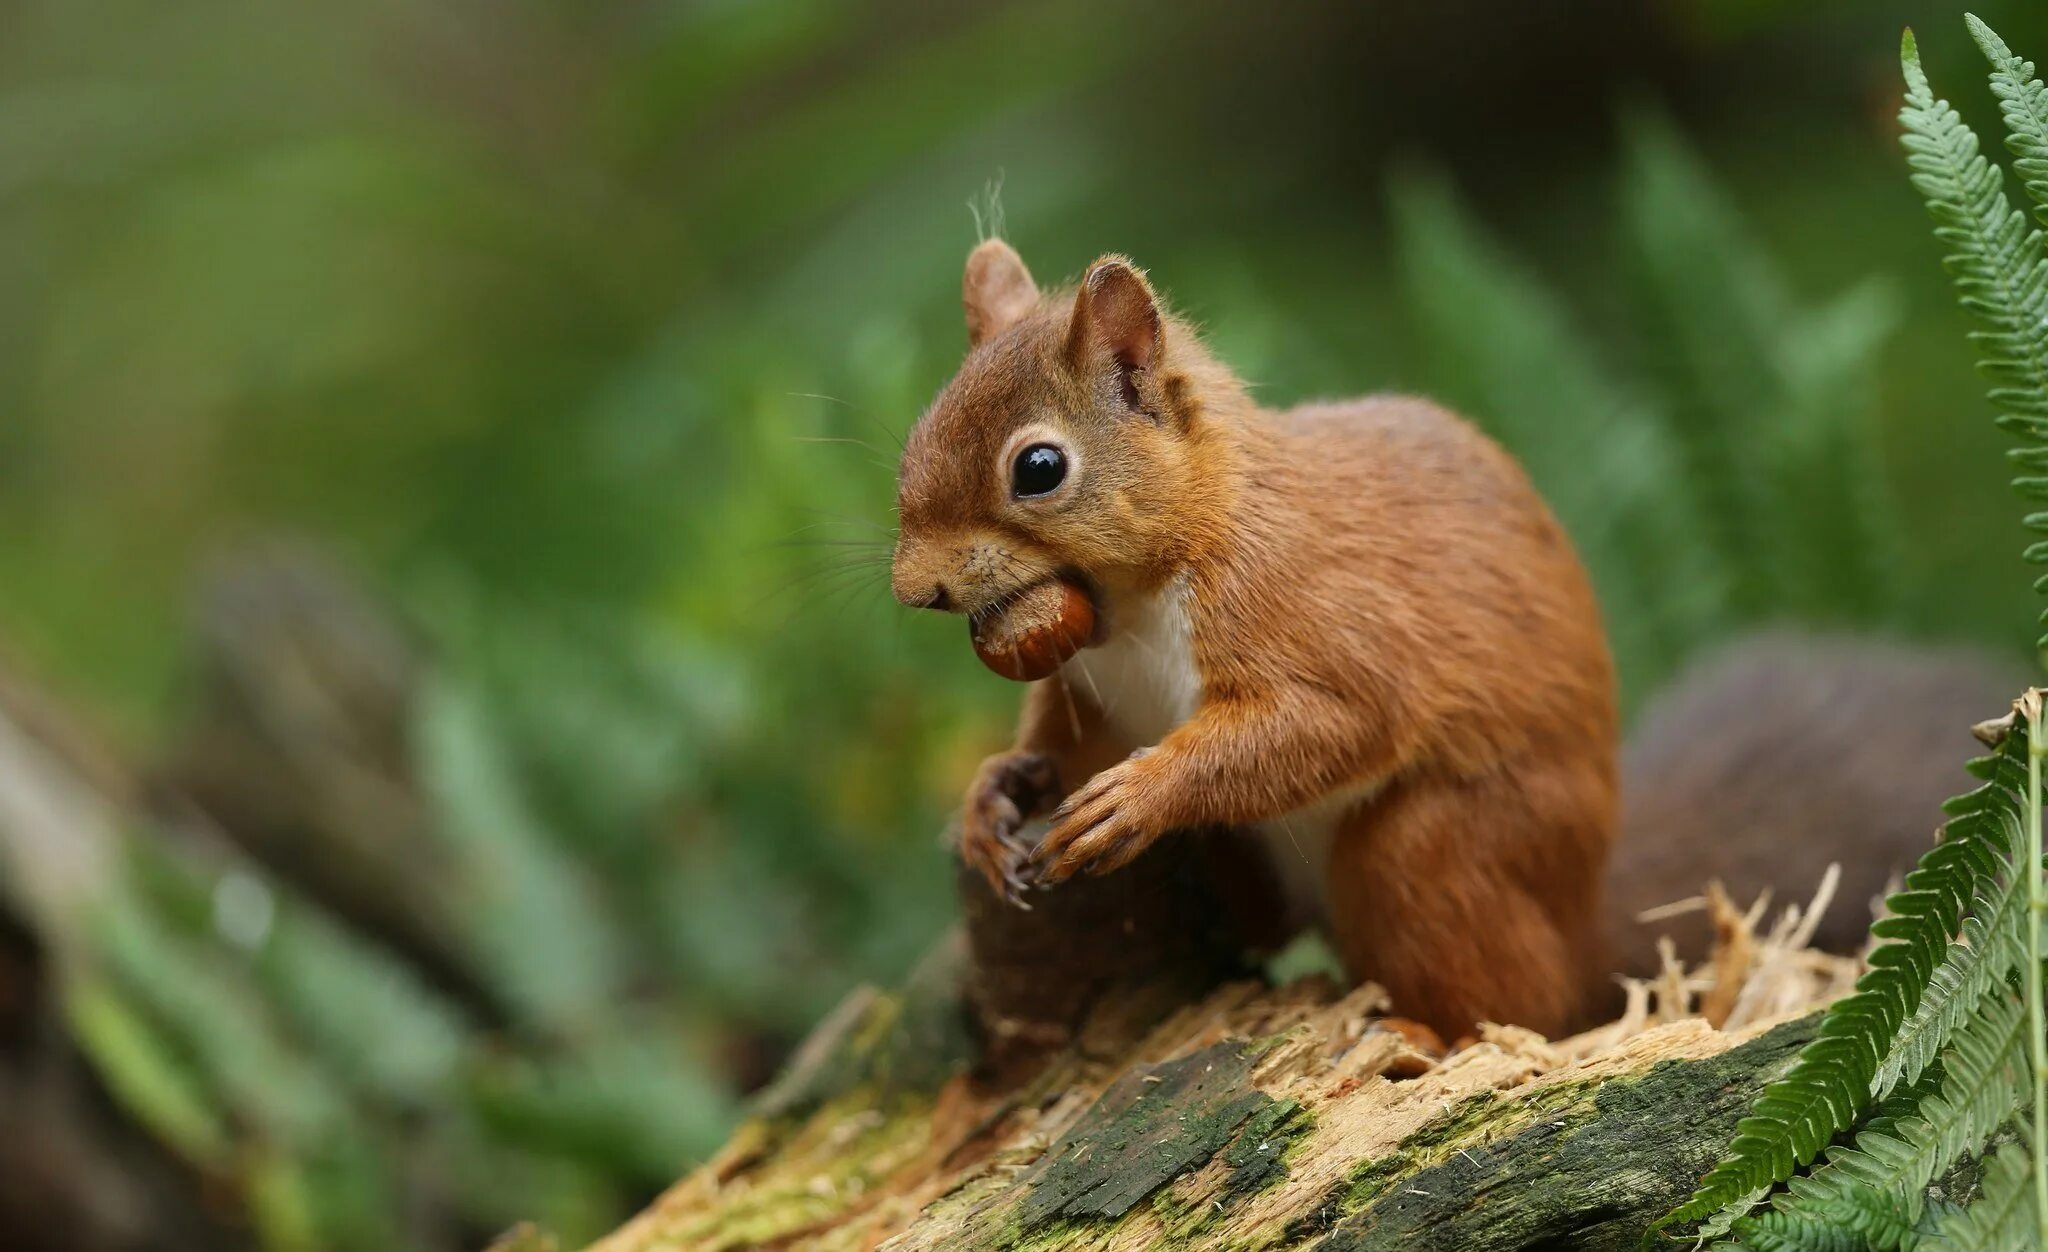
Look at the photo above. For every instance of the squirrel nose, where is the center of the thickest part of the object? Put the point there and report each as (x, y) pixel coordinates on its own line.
(916, 575)
(936, 598)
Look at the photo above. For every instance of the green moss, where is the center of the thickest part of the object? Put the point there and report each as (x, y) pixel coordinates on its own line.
(809, 1187)
(906, 1043)
(1183, 1221)
(1055, 1236)
(1257, 1156)
(1471, 1122)
(1151, 1126)
(1584, 1165)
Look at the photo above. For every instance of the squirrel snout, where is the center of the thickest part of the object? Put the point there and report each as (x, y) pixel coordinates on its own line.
(933, 597)
(918, 574)
(917, 589)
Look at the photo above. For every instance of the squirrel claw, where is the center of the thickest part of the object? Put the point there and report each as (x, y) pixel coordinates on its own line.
(1013, 891)
(991, 839)
(1098, 829)
(1103, 849)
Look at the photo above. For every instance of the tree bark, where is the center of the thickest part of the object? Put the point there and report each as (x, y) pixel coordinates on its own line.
(1254, 1117)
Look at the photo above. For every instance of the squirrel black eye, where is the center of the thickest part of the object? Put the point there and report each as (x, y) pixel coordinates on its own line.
(1039, 468)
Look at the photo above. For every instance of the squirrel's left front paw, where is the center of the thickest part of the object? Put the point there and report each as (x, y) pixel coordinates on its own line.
(1101, 827)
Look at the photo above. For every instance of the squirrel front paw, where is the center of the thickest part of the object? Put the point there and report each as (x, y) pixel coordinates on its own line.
(1104, 825)
(1007, 791)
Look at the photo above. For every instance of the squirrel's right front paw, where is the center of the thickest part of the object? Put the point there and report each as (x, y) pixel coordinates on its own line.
(1007, 791)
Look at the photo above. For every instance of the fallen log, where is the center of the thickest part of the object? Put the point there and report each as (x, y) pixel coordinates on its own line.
(1258, 1118)
(1253, 1117)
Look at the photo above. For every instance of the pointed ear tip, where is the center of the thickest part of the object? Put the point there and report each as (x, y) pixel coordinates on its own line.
(1115, 269)
(995, 260)
(994, 252)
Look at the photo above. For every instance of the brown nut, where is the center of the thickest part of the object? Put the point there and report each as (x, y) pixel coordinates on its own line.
(1036, 632)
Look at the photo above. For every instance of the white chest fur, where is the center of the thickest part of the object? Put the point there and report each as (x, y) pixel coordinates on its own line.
(1144, 679)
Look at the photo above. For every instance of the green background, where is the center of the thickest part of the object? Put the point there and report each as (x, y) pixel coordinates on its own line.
(585, 334)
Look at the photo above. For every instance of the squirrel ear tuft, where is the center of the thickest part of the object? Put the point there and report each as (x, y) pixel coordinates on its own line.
(996, 291)
(1116, 312)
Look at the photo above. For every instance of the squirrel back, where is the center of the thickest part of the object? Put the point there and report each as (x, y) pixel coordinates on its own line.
(1780, 753)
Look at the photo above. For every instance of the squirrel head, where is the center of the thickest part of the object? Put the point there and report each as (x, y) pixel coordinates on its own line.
(1072, 443)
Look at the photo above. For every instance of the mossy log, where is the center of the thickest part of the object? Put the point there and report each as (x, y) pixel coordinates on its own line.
(1258, 1118)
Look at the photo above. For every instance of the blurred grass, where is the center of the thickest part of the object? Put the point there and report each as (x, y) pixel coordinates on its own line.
(589, 332)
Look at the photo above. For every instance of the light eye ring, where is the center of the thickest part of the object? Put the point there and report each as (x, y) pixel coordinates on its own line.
(1039, 469)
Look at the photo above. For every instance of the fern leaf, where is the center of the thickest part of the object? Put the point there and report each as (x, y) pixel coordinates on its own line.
(2000, 275)
(1770, 405)
(1984, 1079)
(1829, 1085)
(1854, 1219)
(1987, 819)
(1847, 563)
(2024, 103)
(1711, 306)
(2001, 1219)
(1724, 1221)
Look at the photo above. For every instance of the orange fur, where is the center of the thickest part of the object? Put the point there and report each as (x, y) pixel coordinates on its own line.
(1380, 612)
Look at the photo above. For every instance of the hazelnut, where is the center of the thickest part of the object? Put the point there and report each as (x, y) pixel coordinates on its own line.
(1032, 634)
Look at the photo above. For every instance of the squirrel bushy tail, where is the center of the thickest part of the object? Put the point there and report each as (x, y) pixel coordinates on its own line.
(1780, 753)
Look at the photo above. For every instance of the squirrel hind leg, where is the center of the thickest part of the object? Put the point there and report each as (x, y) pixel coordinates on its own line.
(1474, 900)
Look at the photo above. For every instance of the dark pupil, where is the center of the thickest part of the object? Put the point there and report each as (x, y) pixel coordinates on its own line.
(1040, 468)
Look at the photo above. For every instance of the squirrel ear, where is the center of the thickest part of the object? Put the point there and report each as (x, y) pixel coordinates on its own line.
(1115, 311)
(997, 290)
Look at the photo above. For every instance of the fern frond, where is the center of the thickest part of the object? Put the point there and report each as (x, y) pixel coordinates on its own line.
(2000, 275)
(1853, 1219)
(1836, 495)
(1712, 305)
(1986, 819)
(1984, 1079)
(1829, 1085)
(1721, 1223)
(2001, 1219)
(1770, 402)
(2024, 103)
(1989, 1074)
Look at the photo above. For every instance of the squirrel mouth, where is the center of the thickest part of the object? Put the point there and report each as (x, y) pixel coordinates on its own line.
(1003, 603)
(1029, 633)
(991, 614)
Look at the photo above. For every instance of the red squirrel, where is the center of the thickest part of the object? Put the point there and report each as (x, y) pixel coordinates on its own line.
(1353, 628)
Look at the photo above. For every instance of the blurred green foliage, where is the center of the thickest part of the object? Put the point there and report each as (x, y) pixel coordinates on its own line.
(1729, 481)
(589, 331)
